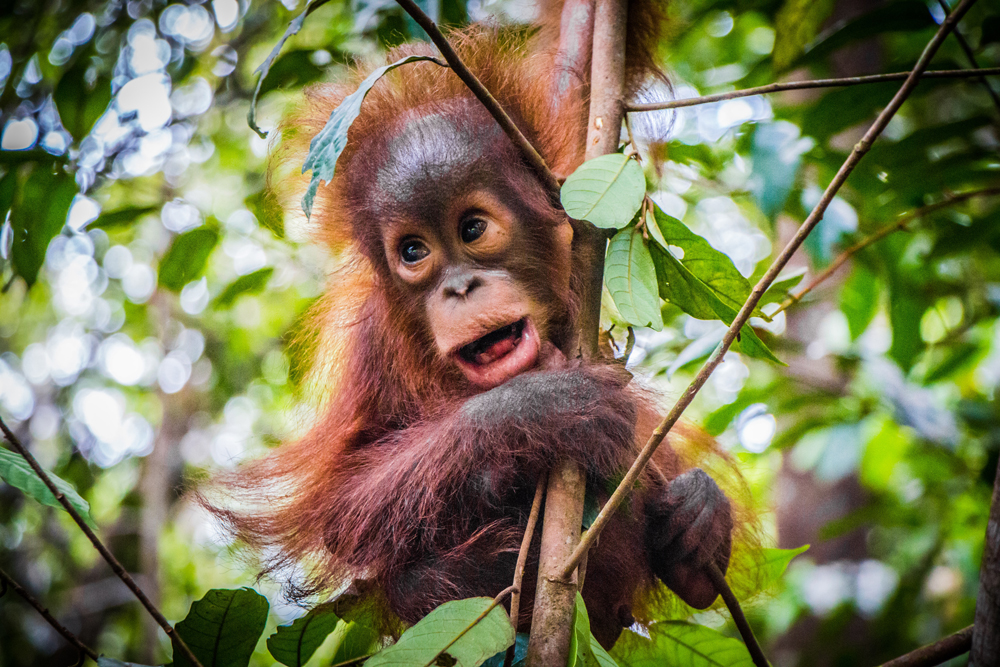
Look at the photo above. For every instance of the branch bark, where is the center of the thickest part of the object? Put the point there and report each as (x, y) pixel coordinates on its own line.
(522, 559)
(7, 580)
(940, 651)
(556, 592)
(878, 236)
(986, 635)
(779, 263)
(719, 580)
(106, 554)
(531, 155)
(816, 83)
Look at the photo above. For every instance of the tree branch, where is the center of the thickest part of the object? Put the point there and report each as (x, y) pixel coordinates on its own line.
(816, 83)
(719, 580)
(940, 651)
(878, 236)
(779, 263)
(986, 635)
(531, 155)
(522, 559)
(972, 58)
(116, 567)
(49, 618)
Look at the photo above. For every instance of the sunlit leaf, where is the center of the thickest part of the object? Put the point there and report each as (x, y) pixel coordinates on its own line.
(294, 644)
(606, 191)
(712, 267)
(252, 283)
(186, 258)
(353, 640)
(631, 279)
(16, 471)
(435, 635)
(680, 644)
(682, 288)
(584, 650)
(326, 147)
(222, 628)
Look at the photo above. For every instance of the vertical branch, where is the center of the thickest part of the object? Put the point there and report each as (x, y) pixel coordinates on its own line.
(986, 631)
(556, 593)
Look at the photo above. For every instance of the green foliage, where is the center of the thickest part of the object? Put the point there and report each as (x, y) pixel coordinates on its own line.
(294, 644)
(187, 258)
(584, 650)
(38, 214)
(682, 644)
(327, 146)
(16, 471)
(252, 283)
(631, 279)
(605, 191)
(81, 103)
(454, 634)
(222, 628)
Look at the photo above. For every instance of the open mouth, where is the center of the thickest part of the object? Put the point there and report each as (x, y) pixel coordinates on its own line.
(501, 354)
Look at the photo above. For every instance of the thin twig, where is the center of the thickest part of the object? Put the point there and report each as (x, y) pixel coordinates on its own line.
(116, 567)
(522, 560)
(719, 581)
(530, 154)
(806, 85)
(49, 618)
(878, 236)
(863, 146)
(950, 647)
(496, 601)
(964, 43)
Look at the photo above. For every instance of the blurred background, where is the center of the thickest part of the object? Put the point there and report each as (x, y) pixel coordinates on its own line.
(156, 341)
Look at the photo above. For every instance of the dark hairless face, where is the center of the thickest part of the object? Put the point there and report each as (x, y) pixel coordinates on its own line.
(466, 241)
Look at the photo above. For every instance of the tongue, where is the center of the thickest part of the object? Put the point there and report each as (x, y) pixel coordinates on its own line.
(496, 350)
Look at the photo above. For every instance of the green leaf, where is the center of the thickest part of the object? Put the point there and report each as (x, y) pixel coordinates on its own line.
(16, 471)
(186, 258)
(680, 644)
(326, 147)
(80, 105)
(764, 567)
(606, 191)
(859, 299)
(37, 217)
(262, 70)
(712, 267)
(265, 207)
(907, 16)
(122, 217)
(291, 70)
(683, 289)
(252, 283)
(782, 286)
(354, 639)
(222, 628)
(294, 644)
(631, 279)
(441, 632)
(796, 25)
(955, 359)
(906, 309)
(584, 649)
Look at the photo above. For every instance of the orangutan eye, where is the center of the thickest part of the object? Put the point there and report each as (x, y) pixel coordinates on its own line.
(472, 229)
(412, 251)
